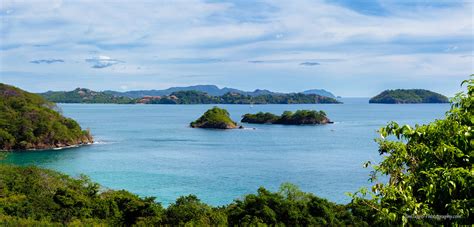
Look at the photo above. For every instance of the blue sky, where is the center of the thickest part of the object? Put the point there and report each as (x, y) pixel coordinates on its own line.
(351, 48)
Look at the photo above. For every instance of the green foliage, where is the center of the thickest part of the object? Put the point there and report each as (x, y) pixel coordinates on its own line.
(260, 118)
(292, 98)
(409, 96)
(122, 207)
(430, 168)
(198, 97)
(35, 196)
(214, 118)
(191, 211)
(194, 97)
(82, 95)
(288, 207)
(300, 117)
(27, 121)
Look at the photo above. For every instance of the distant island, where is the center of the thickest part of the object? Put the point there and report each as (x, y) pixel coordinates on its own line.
(216, 118)
(212, 90)
(321, 92)
(82, 95)
(300, 117)
(27, 121)
(402, 96)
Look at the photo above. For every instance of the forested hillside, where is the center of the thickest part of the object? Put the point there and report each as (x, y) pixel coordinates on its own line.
(27, 121)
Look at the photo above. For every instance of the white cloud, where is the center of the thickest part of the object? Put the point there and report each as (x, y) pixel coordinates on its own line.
(451, 48)
(144, 34)
(102, 61)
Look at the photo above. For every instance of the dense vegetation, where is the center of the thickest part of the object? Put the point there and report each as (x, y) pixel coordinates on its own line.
(431, 168)
(292, 98)
(197, 97)
(27, 121)
(300, 117)
(214, 118)
(289, 207)
(408, 96)
(82, 95)
(186, 97)
(35, 196)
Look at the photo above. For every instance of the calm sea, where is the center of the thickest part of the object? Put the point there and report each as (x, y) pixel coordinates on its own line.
(151, 151)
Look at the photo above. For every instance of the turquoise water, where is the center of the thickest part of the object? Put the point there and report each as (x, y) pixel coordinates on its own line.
(151, 151)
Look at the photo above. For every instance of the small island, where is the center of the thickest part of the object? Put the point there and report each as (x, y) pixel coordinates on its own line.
(29, 122)
(405, 96)
(216, 118)
(300, 117)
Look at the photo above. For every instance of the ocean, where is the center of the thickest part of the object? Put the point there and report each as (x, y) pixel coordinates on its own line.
(150, 150)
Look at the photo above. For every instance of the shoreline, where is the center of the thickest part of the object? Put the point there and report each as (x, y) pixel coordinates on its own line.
(176, 104)
(52, 148)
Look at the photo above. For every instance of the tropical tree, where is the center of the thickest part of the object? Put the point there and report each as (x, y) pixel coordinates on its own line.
(189, 210)
(429, 168)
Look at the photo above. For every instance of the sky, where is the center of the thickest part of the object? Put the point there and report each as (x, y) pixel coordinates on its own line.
(351, 48)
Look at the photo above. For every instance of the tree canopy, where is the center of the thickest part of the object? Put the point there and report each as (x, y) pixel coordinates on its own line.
(82, 95)
(36, 196)
(27, 121)
(430, 168)
(214, 118)
(408, 96)
(300, 117)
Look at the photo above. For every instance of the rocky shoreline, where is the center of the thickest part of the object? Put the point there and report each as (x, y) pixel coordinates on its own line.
(58, 147)
(55, 146)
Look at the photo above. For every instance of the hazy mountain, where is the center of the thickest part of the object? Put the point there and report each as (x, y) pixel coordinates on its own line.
(321, 92)
(209, 89)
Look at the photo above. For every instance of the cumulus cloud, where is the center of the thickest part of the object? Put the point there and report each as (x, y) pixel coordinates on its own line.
(47, 61)
(102, 61)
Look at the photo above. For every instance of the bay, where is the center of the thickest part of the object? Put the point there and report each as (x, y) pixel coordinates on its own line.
(151, 151)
